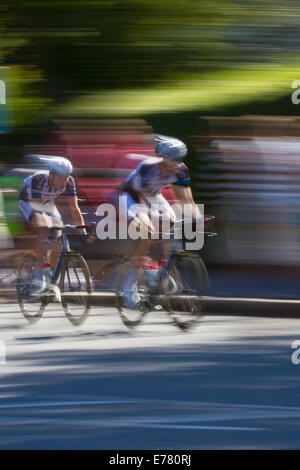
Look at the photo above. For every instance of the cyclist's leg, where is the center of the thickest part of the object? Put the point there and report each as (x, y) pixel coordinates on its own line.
(142, 254)
(155, 215)
(137, 220)
(38, 226)
(55, 243)
(163, 218)
(137, 216)
(40, 222)
(52, 252)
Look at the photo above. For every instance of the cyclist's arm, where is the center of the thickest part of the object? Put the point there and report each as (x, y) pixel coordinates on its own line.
(76, 212)
(185, 197)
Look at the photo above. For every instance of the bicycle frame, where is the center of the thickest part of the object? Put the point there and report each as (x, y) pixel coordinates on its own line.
(65, 248)
(176, 247)
(65, 245)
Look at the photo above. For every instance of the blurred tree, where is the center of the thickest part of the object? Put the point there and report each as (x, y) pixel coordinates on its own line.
(82, 45)
(79, 46)
(107, 44)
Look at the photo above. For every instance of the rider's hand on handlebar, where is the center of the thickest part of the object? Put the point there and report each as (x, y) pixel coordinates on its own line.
(90, 238)
(87, 237)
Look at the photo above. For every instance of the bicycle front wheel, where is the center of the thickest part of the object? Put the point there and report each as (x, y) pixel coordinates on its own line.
(31, 305)
(75, 287)
(187, 279)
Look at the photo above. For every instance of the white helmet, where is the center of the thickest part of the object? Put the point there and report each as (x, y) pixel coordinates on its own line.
(169, 147)
(59, 166)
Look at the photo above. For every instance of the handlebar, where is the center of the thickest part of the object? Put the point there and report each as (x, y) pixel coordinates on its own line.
(91, 229)
(177, 225)
(73, 228)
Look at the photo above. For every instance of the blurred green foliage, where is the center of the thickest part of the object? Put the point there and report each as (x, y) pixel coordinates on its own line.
(10, 202)
(27, 105)
(215, 90)
(71, 48)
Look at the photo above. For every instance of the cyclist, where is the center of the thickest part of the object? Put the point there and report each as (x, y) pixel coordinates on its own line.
(36, 204)
(145, 201)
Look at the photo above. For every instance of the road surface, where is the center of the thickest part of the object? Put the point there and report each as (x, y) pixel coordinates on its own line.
(228, 384)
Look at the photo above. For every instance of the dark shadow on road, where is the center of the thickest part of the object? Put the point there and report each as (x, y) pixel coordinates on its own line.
(247, 371)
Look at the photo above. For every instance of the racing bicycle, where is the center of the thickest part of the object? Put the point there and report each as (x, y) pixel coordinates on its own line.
(71, 274)
(182, 285)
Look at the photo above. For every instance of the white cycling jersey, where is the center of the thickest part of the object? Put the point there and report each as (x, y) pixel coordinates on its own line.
(36, 195)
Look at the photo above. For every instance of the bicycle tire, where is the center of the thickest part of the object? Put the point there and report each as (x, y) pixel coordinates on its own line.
(75, 274)
(187, 306)
(35, 307)
(131, 317)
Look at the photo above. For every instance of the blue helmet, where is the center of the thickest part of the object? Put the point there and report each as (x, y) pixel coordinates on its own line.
(169, 147)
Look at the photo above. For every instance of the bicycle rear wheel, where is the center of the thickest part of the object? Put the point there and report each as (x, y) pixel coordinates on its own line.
(132, 298)
(32, 306)
(190, 284)
(75, 288)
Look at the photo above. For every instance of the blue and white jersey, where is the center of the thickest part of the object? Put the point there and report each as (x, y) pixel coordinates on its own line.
(36, 195)
(146, 180)
(36, 187)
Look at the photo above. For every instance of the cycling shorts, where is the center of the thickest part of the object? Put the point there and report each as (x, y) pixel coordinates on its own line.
(156, 206)
(27, 210)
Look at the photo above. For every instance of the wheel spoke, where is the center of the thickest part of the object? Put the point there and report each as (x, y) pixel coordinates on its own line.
(32, 306)
(75, 280)
(187, 305)
(132, 294)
